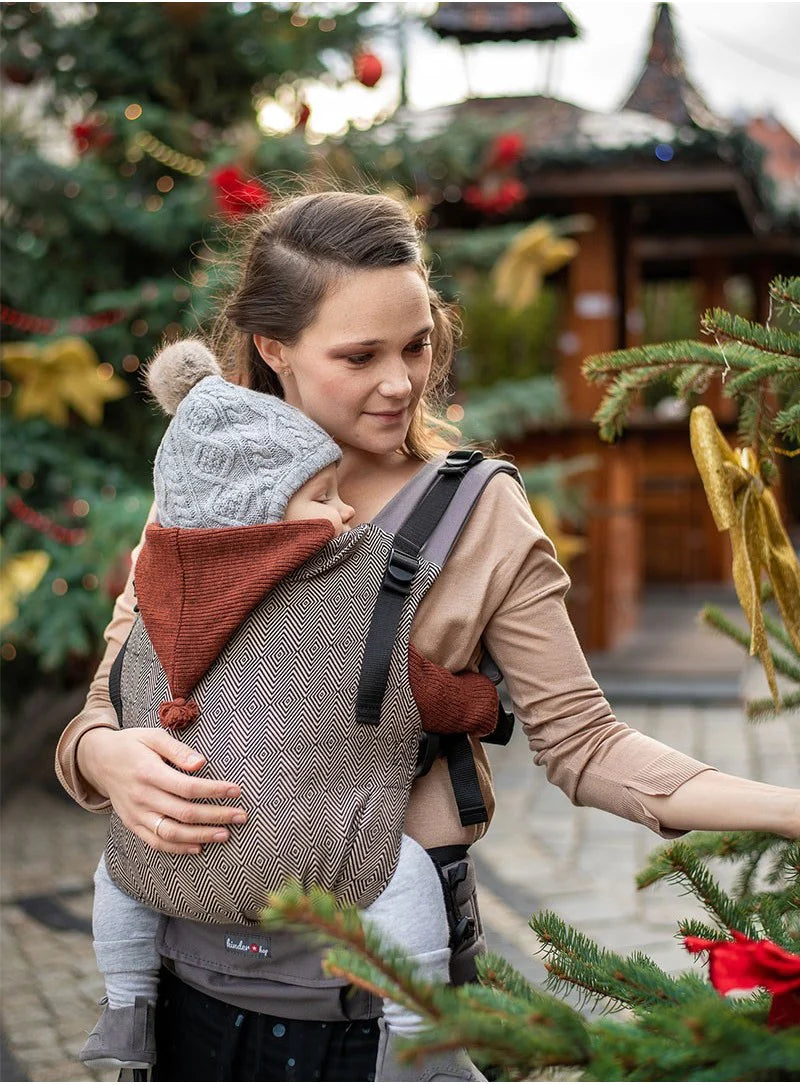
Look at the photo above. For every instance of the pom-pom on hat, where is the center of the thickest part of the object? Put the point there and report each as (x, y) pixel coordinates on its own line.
(231, 457)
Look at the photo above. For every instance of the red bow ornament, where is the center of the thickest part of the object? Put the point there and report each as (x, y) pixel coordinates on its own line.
(235, 194)
(744, 963)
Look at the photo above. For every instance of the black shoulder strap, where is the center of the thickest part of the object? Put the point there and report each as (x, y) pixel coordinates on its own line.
(430, 520)
(115, 681)
(401, 569)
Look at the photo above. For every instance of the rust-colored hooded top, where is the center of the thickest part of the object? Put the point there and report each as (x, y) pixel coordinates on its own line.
(195, 587)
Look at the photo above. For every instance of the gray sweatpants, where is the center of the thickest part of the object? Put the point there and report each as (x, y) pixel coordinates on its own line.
(410, 914)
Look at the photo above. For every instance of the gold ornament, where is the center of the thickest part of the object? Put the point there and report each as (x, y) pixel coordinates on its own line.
(535, 252)
(744, 506)
(19, 576)
(567, 546)
(59, 375)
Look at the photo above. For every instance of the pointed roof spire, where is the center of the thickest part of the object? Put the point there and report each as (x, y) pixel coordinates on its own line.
(663, 88)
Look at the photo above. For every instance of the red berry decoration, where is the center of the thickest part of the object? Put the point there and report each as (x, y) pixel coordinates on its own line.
(368, 69)
(236, 195)
(505, 150)
(91, 134)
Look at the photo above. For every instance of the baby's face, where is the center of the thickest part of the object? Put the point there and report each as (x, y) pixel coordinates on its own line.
(318, 499)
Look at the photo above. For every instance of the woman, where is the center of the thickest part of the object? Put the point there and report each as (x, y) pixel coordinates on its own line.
(334, 313)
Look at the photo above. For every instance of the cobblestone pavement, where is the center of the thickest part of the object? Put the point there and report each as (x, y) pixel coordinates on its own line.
(541, 853)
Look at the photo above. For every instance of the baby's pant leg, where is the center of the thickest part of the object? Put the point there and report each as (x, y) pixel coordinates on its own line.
(410, 913)
(124, 942)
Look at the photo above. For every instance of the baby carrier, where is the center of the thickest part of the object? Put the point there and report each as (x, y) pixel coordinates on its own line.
(304, 700)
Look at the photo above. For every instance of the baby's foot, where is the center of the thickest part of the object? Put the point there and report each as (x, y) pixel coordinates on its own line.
(123, 1038)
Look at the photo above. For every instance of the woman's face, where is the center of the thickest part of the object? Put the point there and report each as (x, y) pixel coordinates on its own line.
(360, 368)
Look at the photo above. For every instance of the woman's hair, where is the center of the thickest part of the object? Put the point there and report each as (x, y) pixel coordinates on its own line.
(292, 255)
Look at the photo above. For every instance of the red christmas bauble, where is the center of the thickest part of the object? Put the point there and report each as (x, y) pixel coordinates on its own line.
(368, 69)
(15, 73)
(235, 194)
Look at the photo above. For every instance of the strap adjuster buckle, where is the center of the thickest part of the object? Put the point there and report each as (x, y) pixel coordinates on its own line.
(400, 571)
(460, 460)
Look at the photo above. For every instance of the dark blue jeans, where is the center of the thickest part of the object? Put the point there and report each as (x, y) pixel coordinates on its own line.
(199, 1038)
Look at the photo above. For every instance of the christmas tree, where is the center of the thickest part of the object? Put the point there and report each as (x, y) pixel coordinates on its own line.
(129, 147)
(675, 1027)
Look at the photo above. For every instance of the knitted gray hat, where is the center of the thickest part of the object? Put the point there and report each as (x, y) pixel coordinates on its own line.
(231, 456)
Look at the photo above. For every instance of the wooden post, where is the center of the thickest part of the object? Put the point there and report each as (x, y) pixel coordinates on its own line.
(602, 288)
(713, 273)
(592, 307)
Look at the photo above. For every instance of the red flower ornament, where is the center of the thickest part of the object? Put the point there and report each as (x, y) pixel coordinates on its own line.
(745, 963)
(505, 150)
(235, 194)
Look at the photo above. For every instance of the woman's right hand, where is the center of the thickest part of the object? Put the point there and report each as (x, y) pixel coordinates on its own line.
(132, 767)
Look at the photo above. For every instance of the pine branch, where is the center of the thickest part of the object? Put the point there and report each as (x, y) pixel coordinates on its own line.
(654, 360)
(383, 969)
(779, 367)
(763, 709)
(787, 422)
(786, 291)
(720, 324)
(678, 864)
(573, 960)
(779, 633)
(714, 617)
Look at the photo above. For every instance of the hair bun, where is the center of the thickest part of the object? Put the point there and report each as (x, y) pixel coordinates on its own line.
(176, 369)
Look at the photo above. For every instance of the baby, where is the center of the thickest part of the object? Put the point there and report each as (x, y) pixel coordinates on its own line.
(232, 458)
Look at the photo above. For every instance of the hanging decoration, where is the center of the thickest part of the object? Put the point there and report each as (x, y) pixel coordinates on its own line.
(742, 505)
(69, 536)
(58, 376)
(168, 156)
(17, 74)
(496, 190)
(19, 576)
(43, 325)
(91, 134)
(367, 69)
(303, 116)
(237, 195)
(745, 963)
(535, 252)
(505, 150)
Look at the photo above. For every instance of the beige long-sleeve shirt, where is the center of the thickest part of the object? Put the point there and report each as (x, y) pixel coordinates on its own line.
(501, 586)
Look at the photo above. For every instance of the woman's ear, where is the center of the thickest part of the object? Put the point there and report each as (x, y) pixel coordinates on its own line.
(271, 351)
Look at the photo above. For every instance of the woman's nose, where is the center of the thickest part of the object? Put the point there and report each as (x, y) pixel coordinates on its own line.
(396, 382)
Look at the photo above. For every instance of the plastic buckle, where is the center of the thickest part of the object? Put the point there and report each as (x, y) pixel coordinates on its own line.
(464, 929)
(400, 571)
(460, 460)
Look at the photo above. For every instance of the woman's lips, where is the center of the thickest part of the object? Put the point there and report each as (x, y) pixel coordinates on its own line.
(387, 416)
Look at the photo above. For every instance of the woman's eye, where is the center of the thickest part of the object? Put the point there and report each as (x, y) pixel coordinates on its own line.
(417, 348)
(359, 359)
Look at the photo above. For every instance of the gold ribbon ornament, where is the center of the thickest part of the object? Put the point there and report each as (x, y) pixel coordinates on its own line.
(19, 576)
(55, 376)
(744, 506)
(535, 252)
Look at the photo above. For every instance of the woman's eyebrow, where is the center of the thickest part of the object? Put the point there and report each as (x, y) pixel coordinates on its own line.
(379, 342)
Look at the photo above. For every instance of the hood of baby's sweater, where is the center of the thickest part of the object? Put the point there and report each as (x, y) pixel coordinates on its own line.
(195, 586)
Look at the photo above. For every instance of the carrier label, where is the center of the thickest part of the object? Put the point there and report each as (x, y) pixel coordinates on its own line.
(251, 949)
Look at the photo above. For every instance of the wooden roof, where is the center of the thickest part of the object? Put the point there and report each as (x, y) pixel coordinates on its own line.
(479, 22)
(663, 89)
